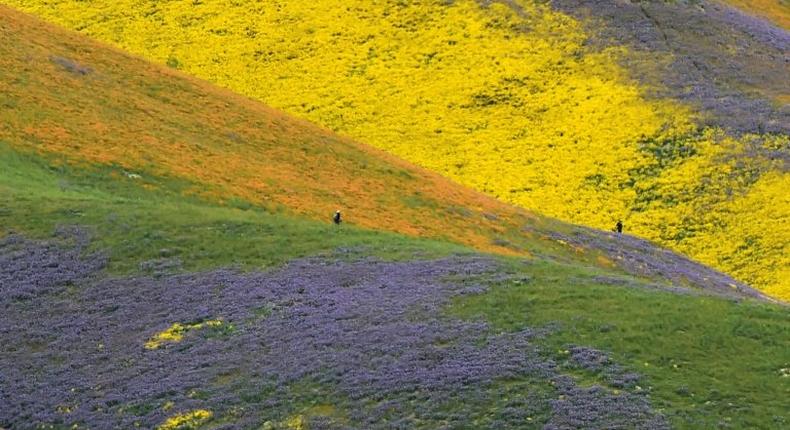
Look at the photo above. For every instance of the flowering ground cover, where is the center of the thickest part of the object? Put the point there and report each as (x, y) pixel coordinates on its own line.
(145, 225)
(84, 103)
(775, 11)
(320, 344)
(707, 363)
(151, 203)
(354, 337)
(167, 261)
(368, 333)
(522, 100)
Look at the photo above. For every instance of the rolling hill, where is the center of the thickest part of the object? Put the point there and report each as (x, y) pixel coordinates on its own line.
(123, 112)
(167, 260)
(670, 115)
(77, 103)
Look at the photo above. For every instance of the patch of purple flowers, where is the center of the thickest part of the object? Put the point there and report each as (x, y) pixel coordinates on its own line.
(595, 361)
(582, 408)
(41, 267)
(588, 358)
(368, 338)
(641, 258)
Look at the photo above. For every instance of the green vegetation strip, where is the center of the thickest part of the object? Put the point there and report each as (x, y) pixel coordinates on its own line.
(140, 219)
(707, 362)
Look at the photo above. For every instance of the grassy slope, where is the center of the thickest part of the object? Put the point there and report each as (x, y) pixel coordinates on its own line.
(480, 87)
(137, 225)
(124, 119)
(221, 146)
(79, 103)
(709, 363)
(709, 339)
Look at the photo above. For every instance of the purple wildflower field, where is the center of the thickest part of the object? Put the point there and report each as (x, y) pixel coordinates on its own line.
(366, 339)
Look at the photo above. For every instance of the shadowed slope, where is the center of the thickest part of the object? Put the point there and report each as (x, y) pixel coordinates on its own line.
(728, 64)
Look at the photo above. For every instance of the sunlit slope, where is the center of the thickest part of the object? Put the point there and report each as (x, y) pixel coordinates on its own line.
(63, 95)
(509, 99)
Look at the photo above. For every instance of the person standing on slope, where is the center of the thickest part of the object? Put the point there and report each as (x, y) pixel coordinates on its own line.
(336, 219)
(619, 227)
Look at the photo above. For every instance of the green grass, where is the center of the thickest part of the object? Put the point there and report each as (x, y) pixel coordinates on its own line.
(707, 362)
(141, 219)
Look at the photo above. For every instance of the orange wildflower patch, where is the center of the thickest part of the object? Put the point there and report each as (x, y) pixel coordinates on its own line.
(47, 133)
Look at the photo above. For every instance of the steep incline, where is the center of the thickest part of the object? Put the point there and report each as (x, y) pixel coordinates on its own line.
(672, 116)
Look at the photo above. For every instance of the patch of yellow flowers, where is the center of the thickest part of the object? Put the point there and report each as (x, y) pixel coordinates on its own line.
(506, 99)
(186, 420)
(175, 333)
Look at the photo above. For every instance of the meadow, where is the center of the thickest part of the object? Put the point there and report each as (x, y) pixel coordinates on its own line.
(168, 261)
(175, 312)
(140, 121)
(152, 228)
(706, 363)
(98, 114)
(139, 277)
(512, 99)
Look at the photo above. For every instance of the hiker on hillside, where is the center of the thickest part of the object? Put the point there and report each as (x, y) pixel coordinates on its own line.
(618, 227)
(336, 218)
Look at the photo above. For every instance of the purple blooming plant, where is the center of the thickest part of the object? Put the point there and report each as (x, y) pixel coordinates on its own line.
(640, 257)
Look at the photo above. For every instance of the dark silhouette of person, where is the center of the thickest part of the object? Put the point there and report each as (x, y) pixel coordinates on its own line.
(336, 218)
(619, 227)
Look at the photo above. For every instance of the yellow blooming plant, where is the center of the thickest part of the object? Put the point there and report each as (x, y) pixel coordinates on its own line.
(175, 333)
(505, 98)
(186, 420)
(296, 422)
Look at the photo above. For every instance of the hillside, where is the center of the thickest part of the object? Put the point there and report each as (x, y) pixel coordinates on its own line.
(78, 103)
(672, 116)
(167, 261)
(776, 11)
(142, 119)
